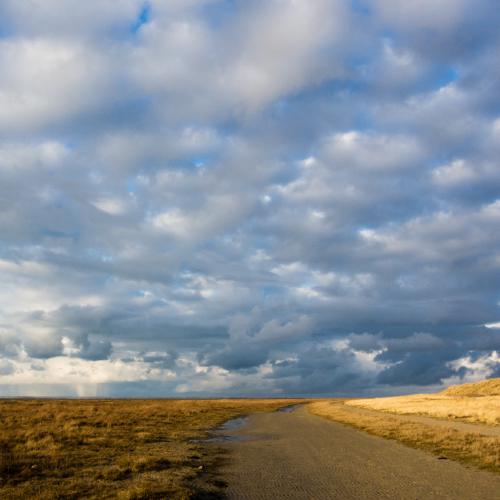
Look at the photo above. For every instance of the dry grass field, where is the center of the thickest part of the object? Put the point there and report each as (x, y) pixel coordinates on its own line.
(146, 449)
(476, 403)
(126, 449)
(489, 387)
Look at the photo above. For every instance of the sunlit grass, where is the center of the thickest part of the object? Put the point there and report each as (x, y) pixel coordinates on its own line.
(485, 409)
(470, 403)
(126, 449)
(474, 403)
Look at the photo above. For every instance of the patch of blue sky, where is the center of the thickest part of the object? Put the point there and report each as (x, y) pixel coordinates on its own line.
(228, 127)
(323, 92)
(387, 33)
(446, 75)
(201, 160)
(352, 84)
(132, 185)
(436, 78)
(143, 18)
(5, 30)
(363, 121)
(361, 7)
(218, 12)
(131, 111)
(194, 162)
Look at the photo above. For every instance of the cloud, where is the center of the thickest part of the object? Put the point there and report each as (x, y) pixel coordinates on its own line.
(276, 48)
(248, 198)
(250, 346)
(47, 82)
(72, 19)
(435, 27)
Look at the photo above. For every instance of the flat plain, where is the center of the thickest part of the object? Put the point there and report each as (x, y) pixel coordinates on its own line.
(147, 449)
(127, 449)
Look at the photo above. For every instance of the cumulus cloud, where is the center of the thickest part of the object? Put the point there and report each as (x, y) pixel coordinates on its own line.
(248, 198)
(262, 52)
(48, 81)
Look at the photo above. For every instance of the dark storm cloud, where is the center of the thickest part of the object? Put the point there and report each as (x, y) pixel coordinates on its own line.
(211, 197)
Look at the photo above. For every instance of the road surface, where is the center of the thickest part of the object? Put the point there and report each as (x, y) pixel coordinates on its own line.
(301, 456)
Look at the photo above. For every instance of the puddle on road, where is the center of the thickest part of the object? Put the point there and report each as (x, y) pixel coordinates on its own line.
(290, 408)
(218, 435)
(233, 424)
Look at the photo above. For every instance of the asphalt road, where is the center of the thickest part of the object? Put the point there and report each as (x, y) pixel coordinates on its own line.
(301, 456)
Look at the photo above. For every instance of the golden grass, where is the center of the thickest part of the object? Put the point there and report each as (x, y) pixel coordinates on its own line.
(125, 449)
(477, 403)
(481, 451)
(484, 410)
(489, 387)
(474, 403)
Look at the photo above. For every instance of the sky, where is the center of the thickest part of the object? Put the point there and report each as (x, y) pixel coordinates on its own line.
(248, 198)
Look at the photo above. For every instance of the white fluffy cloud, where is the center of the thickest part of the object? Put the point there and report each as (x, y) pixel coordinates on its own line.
(267, 51)
(46, 81)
